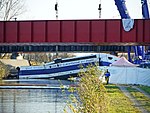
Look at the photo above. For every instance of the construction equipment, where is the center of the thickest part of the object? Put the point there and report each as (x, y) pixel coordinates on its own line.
(140, 53)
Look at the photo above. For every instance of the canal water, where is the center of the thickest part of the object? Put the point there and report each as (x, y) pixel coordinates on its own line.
(50, 100)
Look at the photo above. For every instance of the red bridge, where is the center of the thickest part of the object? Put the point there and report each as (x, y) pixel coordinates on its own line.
(74, 31)
(96, 32)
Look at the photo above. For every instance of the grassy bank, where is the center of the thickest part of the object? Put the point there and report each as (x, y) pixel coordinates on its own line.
(145, 88)
(119, 103)
(144, 101)
(95, 97)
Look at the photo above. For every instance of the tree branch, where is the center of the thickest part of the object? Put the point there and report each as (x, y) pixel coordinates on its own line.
(11, 8)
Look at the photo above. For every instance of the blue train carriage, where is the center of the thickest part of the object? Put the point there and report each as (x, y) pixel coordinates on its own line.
(64, 68)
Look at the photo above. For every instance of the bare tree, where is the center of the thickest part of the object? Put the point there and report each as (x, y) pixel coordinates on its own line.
(10, 9)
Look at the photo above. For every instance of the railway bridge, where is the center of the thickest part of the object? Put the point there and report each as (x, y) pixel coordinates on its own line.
(72, 35)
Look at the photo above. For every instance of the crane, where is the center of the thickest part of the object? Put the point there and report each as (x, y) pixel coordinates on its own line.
(124, 12)
(145, 11)
(139, 50)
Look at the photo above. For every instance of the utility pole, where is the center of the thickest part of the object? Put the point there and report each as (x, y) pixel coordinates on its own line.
(56, 9)
(99, 8)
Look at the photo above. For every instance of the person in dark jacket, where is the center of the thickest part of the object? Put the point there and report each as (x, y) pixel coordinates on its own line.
(107, 75)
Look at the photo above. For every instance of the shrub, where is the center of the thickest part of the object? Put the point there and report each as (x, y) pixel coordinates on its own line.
(4, 70)
(91, 92)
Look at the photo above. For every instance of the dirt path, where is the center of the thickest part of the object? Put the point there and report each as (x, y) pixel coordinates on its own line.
(140, 90)
(136, 103)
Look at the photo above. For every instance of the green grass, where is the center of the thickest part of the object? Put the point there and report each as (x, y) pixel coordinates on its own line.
(145, 101)
(145, 88)
(119, 103)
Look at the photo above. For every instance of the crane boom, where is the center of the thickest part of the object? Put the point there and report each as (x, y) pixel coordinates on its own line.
(124, 12)
(145, 11)
(139, 50)
(122, 9)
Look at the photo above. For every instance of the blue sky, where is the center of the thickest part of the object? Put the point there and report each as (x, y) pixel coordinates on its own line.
(77, 9)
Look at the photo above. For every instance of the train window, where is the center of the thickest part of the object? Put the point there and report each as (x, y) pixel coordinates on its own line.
(57, 60)
(110, 58)
(81, 58)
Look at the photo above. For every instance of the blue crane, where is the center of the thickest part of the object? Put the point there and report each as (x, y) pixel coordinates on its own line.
(139, 50)
(145, 11)
(122, 9)
(124, 12)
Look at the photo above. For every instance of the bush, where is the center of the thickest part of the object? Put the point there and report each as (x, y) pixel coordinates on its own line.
(4, 70)
(92, 93)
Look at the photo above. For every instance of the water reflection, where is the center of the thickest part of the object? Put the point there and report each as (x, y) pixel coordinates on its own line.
(34, 100)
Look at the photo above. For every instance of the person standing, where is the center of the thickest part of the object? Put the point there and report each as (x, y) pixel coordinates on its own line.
(107, 75)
